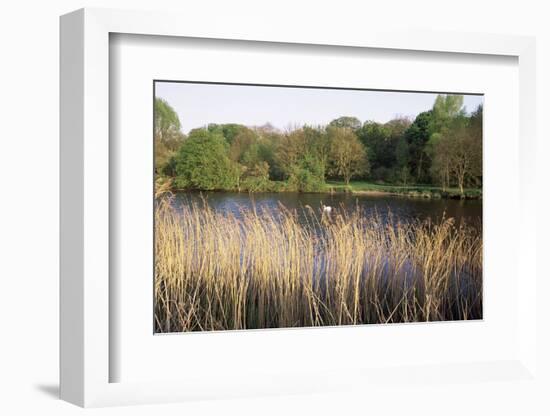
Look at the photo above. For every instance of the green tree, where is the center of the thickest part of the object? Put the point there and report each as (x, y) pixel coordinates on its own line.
(203, 163)
(291, 149)
(346, 121)
(402, 160)
(397, 126)
(167, 122)
(307, 175)
(302, 155)
(445, 109)
(348, 157)
(376, 137)
(229, 130)
(476, 129)
(440, 156)
(476, 122)
(457, 158)
(465, 160)
(255, 178)
(382, 141)
(318, 144)
(451, 146)
(241, 143)
(167, 136)
(417, 136)
(268, 143)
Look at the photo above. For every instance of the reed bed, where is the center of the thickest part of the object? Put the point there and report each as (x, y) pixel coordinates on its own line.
(265, 269)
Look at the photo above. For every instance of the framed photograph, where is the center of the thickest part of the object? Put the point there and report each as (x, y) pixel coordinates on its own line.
(277, 207)
(279, 213)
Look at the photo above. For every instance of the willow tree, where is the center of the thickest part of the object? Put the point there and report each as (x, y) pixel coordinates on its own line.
(167, 134)
(167, 122)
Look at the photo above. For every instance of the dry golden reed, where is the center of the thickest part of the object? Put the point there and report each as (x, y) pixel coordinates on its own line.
(265, 269)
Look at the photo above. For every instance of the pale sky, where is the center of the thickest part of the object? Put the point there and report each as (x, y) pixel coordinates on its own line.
(200, 104)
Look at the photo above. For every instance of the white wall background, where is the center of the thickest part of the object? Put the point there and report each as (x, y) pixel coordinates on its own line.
(29, 56)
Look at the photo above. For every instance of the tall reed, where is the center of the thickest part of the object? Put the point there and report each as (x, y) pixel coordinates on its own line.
(265, 269)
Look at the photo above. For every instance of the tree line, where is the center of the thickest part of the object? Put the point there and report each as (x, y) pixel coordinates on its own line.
(441, 147)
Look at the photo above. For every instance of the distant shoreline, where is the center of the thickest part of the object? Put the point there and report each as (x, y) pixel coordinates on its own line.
(368, 189)
(410, 191)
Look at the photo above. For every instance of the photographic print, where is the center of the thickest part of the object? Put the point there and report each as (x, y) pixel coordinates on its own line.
(294, 207)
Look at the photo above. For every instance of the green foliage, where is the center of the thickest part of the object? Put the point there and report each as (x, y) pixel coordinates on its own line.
(167, 138)
(348, 156)
(291, 149)
(202, 163)
(169, 168)
(386, 147)
(243, 144)
(347, 122)
(229, 131)
(377, 138)
(445, 109)
(267, 145)
(302, 156)
(318, 142)
(256, 179)
(167, 121)
(307, 176)
(417, 136)
(457, 154)
(455, 144)
(402, 152)
(441, 146)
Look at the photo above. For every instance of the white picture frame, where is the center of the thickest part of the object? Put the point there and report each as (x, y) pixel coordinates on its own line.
(85, 353)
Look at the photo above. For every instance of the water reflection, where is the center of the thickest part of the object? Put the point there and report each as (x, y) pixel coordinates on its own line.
(402, 209)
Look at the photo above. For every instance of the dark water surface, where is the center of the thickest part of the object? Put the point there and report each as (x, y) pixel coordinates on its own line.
(401, 208)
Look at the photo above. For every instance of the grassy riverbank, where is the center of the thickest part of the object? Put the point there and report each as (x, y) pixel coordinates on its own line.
(268, 270)
(416, 191)
(355, 187)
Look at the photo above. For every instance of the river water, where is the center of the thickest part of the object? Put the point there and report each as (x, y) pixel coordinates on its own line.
(404, 209)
